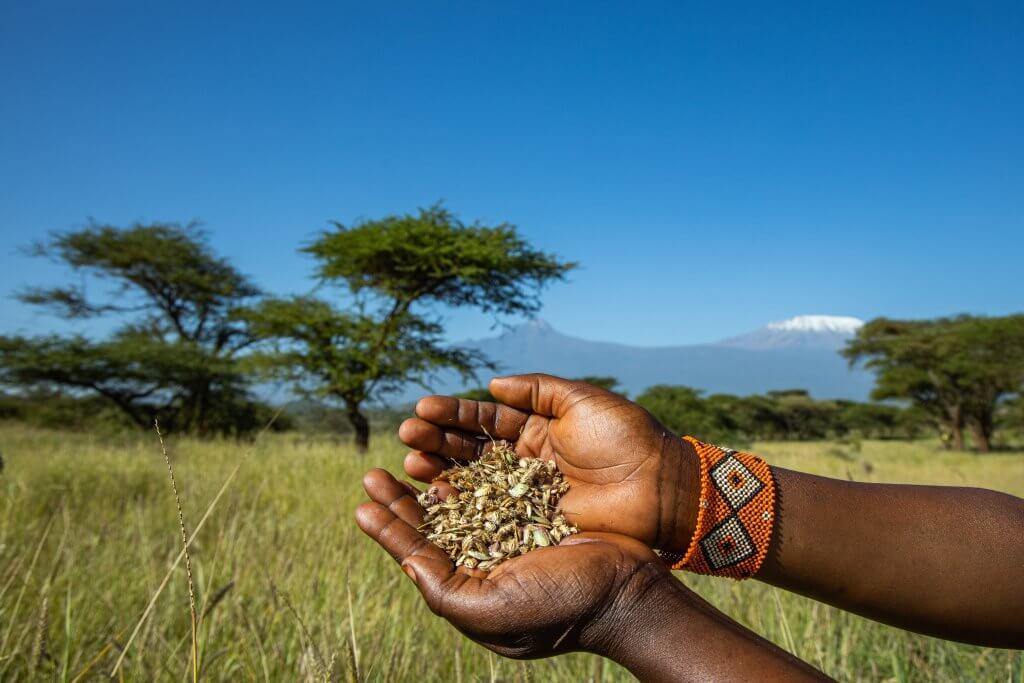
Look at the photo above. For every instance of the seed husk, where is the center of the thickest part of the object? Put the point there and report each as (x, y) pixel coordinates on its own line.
(503, 506)
(519, 490)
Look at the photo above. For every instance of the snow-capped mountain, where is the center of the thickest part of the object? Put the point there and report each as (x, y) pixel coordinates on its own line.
(819, 323)
(797, 353)
(803, 331)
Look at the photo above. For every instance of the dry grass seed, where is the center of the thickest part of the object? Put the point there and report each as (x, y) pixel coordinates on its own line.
(503, 506)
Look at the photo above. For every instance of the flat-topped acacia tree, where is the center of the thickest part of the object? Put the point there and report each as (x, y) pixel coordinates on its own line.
(175, 340)
(391, 279)
(957, 370)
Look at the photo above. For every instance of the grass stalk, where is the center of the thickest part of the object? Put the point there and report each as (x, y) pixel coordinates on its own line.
(39, 643)
(787, 634)
(188, 557)
(353, 649)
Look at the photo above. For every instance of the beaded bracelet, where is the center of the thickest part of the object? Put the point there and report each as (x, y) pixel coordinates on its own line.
(735, 517)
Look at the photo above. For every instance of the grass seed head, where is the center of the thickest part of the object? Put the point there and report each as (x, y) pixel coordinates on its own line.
(503, 506)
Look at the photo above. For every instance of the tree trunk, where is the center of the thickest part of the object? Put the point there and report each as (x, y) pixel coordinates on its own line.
(982, 435)
(957, 437)
(955, 424)
(200, 410)
(360, 427)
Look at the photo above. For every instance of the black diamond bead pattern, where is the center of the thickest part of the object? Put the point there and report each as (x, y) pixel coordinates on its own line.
(727, 544)
(737, 484)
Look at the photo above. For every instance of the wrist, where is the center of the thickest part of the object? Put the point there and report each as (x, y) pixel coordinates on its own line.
(649, 600)
(681, 502)
(661, 631)
(649, 627)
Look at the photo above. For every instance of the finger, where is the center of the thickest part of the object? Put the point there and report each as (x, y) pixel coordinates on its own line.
(425, 467)
(483, 418)
(396, 536)
(396, 496)
(425, 436)
(429, 469)
(410, 487)
(543, 394)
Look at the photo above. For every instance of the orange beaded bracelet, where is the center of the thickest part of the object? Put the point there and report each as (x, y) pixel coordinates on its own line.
(736, 514)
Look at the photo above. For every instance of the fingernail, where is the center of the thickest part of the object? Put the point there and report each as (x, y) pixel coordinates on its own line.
(410, 572)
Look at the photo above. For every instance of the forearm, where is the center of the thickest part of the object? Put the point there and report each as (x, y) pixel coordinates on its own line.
(938, 560)
(668, 633)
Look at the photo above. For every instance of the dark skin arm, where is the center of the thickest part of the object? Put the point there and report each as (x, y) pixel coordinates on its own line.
(943, 561)
(939, 560)
(596, 592)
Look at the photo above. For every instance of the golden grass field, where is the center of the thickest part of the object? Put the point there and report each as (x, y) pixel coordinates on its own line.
(285, 582)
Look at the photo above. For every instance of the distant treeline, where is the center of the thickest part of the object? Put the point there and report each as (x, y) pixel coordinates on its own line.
(785, 415)
(83, 412)
(788, 415)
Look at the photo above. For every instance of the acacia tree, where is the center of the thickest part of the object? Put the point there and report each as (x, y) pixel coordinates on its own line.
(993, 355)
(172, 354)
(957, 370)
(392, 275)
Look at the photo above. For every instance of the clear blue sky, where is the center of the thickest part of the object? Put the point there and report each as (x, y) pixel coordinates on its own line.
(711, 168)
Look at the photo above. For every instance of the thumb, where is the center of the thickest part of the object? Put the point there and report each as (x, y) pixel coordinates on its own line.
(539, 393)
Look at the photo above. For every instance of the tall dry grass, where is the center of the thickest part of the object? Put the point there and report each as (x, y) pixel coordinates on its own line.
(286, 587)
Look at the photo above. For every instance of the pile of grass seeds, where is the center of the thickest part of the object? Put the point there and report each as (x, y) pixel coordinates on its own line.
(503, 506)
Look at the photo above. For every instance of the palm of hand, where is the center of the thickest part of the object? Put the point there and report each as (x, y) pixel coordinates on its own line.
(547, 601)
(616, 460)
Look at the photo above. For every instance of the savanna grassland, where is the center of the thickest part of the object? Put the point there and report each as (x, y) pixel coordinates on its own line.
(286, 584)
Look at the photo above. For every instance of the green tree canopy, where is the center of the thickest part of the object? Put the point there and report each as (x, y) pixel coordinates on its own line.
(684, 411)
(392, 277)
(172, 352)
(432, 256)
(957, 370)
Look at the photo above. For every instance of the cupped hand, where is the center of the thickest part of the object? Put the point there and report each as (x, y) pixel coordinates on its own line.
(627, 473)
(574, 596)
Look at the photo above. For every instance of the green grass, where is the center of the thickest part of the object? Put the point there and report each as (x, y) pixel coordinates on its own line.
(88, 530)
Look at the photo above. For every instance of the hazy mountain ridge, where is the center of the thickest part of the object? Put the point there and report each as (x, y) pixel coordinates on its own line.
(797, 353)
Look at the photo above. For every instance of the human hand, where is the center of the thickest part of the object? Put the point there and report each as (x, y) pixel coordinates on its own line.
(584, 594)
(627, 473)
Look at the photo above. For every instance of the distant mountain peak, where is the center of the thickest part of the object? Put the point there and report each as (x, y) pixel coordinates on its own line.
(538, 325)
(534, 327)
(842, 324)
(802, 331)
